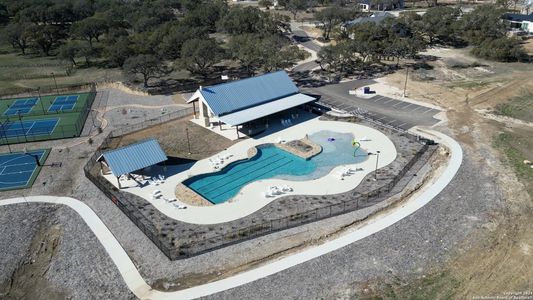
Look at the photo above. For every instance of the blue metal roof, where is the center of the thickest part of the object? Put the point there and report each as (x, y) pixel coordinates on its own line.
(134, 157)
(238, 95)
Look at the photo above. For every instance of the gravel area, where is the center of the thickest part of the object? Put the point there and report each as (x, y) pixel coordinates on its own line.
(54, 254)
(411, 247)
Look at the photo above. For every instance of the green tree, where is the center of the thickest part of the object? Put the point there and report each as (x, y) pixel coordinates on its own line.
(245, 50)
(69, 51)
(148, 66)
(206, 15)
(18, 35)
(439, 24)
(501, 49)
(45, 37)
(331, 17)
(118, 51)
(482, 24)
(170, 40)
(199, 55)
(294, 6)
(240, 20)
(276, 53)
(89, 29)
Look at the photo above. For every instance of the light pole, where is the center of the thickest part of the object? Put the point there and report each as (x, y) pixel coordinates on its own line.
(188, 142)
(22, 125)
(40, 100)
(35, 157)
(377, 161)
(55, 82)
(4, 131)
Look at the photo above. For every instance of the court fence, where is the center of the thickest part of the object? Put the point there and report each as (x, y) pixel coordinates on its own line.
(129, 203)
(59, 131)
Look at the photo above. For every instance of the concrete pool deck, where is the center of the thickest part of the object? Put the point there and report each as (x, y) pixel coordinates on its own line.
(250, 198)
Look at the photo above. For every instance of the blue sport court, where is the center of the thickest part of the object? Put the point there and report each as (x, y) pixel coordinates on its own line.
(28, 128)
(21, 106)
(17, 169)
(63, 103)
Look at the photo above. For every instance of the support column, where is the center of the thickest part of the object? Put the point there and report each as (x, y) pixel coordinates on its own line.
(204, 111)
(194, 108)
(237, 129)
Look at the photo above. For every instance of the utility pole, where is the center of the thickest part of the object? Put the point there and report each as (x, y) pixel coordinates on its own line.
(55, 82)
(406, 76)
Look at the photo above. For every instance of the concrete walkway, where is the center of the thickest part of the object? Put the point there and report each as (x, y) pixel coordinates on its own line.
(142, 290)
(250, 198)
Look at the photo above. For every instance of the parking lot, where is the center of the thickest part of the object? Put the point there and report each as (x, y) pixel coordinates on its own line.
(386, 110)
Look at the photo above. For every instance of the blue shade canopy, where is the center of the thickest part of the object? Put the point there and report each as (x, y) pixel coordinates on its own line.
(134, 157)
(242, 94)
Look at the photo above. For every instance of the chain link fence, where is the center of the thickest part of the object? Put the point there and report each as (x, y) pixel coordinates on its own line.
(58, 132)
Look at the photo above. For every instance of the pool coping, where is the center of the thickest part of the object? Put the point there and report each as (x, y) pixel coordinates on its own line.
(228, 211)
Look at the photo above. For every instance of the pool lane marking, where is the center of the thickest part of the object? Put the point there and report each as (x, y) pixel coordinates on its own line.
(254, 179)
(251, 165)
(255, 170)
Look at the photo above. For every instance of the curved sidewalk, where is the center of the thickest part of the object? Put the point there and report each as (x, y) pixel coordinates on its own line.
(142, 290)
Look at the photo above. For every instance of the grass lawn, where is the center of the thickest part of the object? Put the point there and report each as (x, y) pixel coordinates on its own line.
(18, 73)
(519, 107)
(517, 145)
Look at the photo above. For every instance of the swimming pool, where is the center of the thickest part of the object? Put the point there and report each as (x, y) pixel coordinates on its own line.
(273, 162)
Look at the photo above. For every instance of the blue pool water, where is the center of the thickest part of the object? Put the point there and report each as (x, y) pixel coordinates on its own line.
(272, 162)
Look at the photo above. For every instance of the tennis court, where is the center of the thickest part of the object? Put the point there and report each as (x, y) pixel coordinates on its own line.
(28, 128)
(19, 170)
(44, 117)
(21, 106)
(64, 103)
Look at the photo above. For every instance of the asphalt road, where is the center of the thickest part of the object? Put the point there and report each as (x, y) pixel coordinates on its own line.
(303, 39)
(386, 110)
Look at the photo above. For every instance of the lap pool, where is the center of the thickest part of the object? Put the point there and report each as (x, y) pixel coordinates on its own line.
(273, 162)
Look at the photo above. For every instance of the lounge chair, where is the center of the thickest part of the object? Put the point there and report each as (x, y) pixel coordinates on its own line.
(286, 188)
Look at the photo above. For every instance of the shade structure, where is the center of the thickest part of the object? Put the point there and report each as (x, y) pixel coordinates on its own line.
(134, 157)
(256, 112)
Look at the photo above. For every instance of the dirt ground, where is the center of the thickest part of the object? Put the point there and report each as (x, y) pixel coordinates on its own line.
(173, 139)
(503, 262)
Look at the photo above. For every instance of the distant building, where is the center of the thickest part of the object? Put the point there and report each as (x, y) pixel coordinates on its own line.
(520, 22)
(376, 18)
(368, 5)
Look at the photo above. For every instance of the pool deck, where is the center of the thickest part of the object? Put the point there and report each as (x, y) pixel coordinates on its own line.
(250, 198)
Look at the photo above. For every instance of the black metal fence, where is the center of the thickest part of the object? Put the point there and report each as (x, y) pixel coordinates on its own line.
(202, 243)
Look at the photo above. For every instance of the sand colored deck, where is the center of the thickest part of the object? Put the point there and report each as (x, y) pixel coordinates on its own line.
(250, 198)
